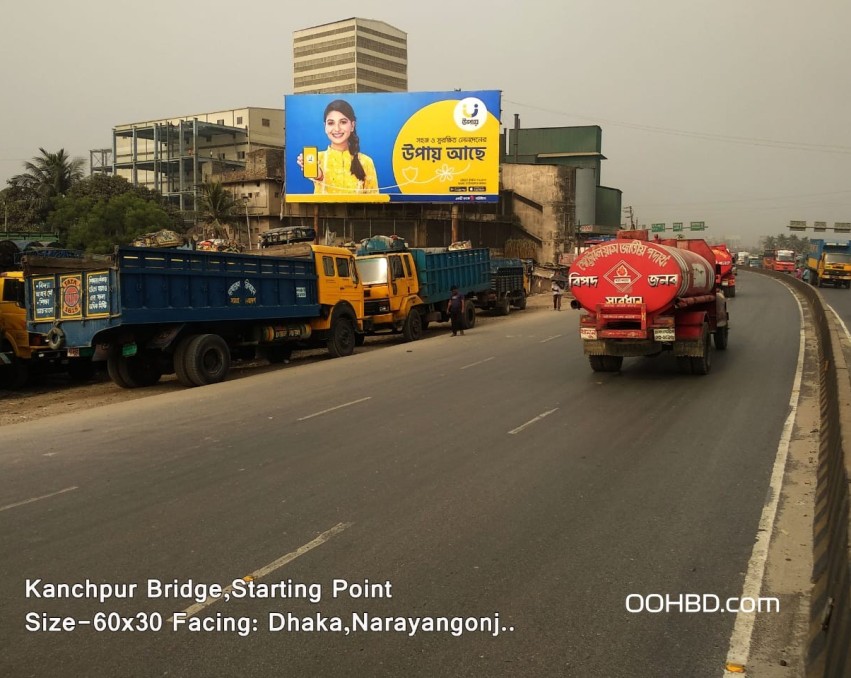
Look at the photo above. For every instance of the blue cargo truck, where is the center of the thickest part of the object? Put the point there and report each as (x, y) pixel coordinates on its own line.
(508, 287)
(405, 288)
(149, 312)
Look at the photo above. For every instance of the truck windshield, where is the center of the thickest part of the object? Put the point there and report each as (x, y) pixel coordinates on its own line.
(373, 271)
(785, 256)
(834, 258)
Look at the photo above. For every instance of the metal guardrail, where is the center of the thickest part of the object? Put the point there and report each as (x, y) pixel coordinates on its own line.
(829, 640)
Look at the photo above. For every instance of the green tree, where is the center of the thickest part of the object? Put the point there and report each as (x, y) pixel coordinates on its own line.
(97, 226)
(218, 208)
(46, 177)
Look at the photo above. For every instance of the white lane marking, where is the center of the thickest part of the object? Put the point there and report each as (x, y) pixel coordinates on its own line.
(740, 639)
(271, 567)
(331, 409)
(477, 363)
(44, 496)
(555, 336)
(531, 421)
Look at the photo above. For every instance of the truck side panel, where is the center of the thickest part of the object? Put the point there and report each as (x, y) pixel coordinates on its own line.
(439, 270)
(150, 286)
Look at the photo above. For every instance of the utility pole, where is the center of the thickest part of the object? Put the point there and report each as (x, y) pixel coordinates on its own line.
(628, 210)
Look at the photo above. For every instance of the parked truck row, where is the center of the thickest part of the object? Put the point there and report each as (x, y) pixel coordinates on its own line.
(146, 312)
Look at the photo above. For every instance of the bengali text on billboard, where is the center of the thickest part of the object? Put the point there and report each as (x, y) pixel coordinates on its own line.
(398, 146)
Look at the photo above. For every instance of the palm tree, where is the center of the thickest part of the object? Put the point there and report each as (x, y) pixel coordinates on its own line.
(217, 207)
(46, 177)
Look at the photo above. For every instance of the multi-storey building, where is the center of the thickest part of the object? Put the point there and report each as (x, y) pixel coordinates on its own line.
(176, 155)
(355, 55)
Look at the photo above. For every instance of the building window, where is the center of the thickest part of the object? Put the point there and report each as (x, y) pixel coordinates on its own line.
(220, 122)
(221, 156)
(240, 155)
(239, 120)
(265, 122)
(277, 194)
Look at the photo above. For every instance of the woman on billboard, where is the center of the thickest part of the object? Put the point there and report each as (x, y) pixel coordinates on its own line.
(341, 168)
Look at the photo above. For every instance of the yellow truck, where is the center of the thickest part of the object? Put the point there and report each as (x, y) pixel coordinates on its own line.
(405, 289)
(23, 353)
(829, 263)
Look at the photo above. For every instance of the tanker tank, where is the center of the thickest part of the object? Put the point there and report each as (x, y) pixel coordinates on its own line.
(637, 271)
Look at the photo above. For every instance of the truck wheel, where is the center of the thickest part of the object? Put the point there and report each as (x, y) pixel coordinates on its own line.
(731, 292)
(720, 338)
(469, 319)
(180, 360)
(80, 369)
(360, 338)
(413, 329)
(702, 364)
(605, 363)
(140, 370)
(341, 338)
(504, 306)
(684, 364)
(207, 360)
(520, 304)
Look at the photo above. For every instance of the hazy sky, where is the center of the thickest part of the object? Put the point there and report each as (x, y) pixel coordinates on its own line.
(732, 112)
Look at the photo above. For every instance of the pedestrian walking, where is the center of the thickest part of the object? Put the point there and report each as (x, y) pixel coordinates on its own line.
(557, 292)
(455, 309)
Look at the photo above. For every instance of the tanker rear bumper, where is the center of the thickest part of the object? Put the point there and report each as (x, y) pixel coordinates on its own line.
(636, 348)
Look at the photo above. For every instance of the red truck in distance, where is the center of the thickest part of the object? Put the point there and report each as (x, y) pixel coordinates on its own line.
(725, 270)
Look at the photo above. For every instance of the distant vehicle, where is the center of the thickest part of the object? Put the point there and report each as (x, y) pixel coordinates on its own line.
(743, 258)
(754, 262)
(829, 263)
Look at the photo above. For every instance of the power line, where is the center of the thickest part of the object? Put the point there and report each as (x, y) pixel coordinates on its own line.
(707, 136)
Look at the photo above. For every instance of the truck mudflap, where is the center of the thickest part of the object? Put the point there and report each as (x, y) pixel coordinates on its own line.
(626, 348)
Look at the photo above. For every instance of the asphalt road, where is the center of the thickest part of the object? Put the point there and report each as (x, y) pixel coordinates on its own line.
(492, 477)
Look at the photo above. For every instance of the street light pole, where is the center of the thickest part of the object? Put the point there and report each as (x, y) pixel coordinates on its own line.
(247, 221)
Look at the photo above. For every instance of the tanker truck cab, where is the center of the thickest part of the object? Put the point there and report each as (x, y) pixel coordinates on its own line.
(643, 298)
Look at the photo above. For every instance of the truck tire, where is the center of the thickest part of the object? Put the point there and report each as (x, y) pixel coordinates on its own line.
(731, 292)
(503, 306)
(180, 360)
(140, 370)
(520, 304)
(341, 336)
(468, 322)
(605, 363)
(720, 337)
(207, 360)
(703, 364)
(413, 329)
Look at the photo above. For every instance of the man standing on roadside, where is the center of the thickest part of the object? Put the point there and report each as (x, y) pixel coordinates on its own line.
(557, 292)
(455, 309)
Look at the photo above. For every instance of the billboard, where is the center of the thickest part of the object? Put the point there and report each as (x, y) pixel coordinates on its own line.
(392, 147)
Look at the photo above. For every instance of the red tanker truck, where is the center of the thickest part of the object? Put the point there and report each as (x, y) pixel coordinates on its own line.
(725, 270)
(643, 297)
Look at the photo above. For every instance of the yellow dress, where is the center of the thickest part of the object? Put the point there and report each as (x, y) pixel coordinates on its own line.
(337, 177)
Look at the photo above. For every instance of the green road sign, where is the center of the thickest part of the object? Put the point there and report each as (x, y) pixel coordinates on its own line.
(678, 226)
(657, 228)
(697, 226)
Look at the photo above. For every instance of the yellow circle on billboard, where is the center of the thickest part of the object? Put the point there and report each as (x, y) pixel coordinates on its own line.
(448, 148)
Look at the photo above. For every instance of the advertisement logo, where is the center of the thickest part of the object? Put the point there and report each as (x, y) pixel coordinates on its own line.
(470, 114)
